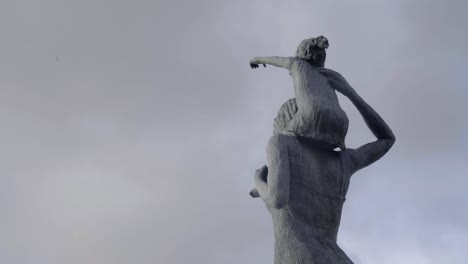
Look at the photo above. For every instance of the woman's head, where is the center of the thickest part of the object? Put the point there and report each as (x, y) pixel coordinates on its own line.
(327, 128)
(313, 50)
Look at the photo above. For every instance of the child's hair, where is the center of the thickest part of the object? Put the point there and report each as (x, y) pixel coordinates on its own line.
(313, 50)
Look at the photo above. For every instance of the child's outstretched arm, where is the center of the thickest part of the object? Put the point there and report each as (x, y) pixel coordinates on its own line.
(283, 62)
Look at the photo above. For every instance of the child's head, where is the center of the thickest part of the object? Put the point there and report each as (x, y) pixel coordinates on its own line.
(313, 50)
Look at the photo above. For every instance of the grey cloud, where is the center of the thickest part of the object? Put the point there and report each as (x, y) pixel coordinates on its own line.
(139, 144)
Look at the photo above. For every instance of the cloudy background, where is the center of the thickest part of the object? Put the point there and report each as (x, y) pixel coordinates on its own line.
(130, 130)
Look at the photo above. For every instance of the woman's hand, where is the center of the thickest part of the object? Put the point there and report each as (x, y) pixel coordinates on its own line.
(260, 181)
(254, 193)
(261, 174)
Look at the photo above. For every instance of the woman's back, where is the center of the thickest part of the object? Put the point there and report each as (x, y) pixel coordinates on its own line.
(307, 227)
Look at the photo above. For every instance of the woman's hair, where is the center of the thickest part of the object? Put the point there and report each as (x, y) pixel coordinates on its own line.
(285, 114)
(313, 50)
(284, 124)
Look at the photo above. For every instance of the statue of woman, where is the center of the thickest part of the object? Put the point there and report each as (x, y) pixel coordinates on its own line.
(305, 183)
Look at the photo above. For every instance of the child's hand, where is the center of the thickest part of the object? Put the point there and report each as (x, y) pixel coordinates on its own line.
(254, 64)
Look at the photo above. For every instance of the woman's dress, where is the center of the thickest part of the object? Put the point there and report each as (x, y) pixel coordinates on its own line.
(306, 228)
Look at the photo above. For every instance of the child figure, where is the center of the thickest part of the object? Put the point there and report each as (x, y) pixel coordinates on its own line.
(319, 116)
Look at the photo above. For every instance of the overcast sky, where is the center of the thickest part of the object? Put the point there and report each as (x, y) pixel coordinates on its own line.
(131, 129)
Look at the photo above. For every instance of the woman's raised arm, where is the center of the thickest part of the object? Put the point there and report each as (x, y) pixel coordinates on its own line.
(272, 182)
(370, 152)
